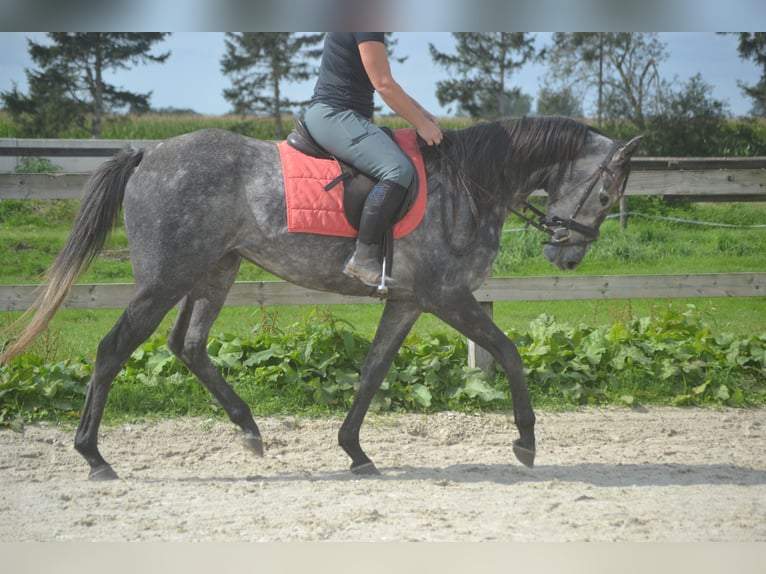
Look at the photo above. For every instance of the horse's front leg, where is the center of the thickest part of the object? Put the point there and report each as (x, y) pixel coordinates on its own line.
(462, 312)
(397, 320)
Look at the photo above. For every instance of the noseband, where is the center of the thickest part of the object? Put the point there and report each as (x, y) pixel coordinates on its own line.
(554, 225)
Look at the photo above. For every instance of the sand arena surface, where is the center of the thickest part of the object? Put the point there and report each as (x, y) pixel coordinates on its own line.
(656, 474)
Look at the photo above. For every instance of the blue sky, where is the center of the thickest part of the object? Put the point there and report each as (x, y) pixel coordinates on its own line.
(191, 77)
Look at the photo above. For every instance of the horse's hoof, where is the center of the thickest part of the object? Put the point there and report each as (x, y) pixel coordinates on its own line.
(104, 472)
(253, 443)
(525, 455)
(365, 469)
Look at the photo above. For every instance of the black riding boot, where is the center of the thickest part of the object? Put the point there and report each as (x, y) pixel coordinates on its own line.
(381, 206)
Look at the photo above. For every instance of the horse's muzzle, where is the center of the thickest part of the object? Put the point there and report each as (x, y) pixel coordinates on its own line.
(565, 255)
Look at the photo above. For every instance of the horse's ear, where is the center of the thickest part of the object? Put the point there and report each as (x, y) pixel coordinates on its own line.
(629, 149)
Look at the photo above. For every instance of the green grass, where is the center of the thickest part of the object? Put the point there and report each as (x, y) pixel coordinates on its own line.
(162, 126)
(653, 246)
(77, 333)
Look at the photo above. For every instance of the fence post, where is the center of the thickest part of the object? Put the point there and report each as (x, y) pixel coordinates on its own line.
(479, 357)
(623, 213)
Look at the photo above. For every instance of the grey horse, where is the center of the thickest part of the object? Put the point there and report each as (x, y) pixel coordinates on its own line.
(196, 205)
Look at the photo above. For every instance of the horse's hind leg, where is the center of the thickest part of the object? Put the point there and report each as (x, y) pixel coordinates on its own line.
(188, 340)
(142, 316)
(462, 312)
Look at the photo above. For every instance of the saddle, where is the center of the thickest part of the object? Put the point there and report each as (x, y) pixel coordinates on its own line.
(357, 185)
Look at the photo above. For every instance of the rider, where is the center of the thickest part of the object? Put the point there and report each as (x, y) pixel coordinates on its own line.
(354, 65)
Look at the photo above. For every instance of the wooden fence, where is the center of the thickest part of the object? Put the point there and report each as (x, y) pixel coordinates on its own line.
(699, 179)
(554, 288)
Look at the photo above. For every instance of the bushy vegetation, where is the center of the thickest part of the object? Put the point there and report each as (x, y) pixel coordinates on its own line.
(313, 368)
(674, 358)
(666, 136)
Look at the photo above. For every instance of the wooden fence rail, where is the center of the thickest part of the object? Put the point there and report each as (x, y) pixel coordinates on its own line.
(560, 288)
(701, 179)
(743, 180)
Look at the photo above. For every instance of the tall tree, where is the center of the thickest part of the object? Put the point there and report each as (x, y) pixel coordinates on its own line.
(752, 46)
(691, 122)
(69, 88)
(260, 64)
(621, 67)
(563, 102)
(48, 110)
(482, 68)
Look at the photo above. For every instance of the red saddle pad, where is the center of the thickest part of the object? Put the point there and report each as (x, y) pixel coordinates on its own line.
(311, 209)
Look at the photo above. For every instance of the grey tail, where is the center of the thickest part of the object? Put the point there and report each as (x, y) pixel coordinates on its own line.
(98, 213)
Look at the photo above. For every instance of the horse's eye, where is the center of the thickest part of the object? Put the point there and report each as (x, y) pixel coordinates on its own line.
(603, 198)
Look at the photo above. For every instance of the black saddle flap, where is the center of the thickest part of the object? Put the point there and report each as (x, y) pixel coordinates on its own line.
(301, 139)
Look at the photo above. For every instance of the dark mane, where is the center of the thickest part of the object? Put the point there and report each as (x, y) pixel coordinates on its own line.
(506, 154)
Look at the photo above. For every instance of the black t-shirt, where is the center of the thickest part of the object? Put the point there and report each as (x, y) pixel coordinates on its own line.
(342, 80)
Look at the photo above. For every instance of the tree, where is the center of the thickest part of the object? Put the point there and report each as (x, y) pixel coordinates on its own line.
(69, 89)
(620, 67)
(562, 102)
(482, 67)
(690, 123)
(260, 63)
(752, 46)
(516, 103)
(48, 110)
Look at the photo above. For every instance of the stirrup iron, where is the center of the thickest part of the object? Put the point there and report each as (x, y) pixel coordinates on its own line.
(382, 287)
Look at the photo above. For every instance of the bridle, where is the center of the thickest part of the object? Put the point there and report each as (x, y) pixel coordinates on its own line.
(555, 225)
(550, 225)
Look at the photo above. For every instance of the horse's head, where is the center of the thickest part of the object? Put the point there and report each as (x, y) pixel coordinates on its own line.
(578, 207)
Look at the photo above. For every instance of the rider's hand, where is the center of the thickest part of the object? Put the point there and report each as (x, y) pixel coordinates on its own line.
(430, 132)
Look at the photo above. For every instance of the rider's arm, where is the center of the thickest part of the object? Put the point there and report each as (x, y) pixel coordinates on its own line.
(375, 61)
